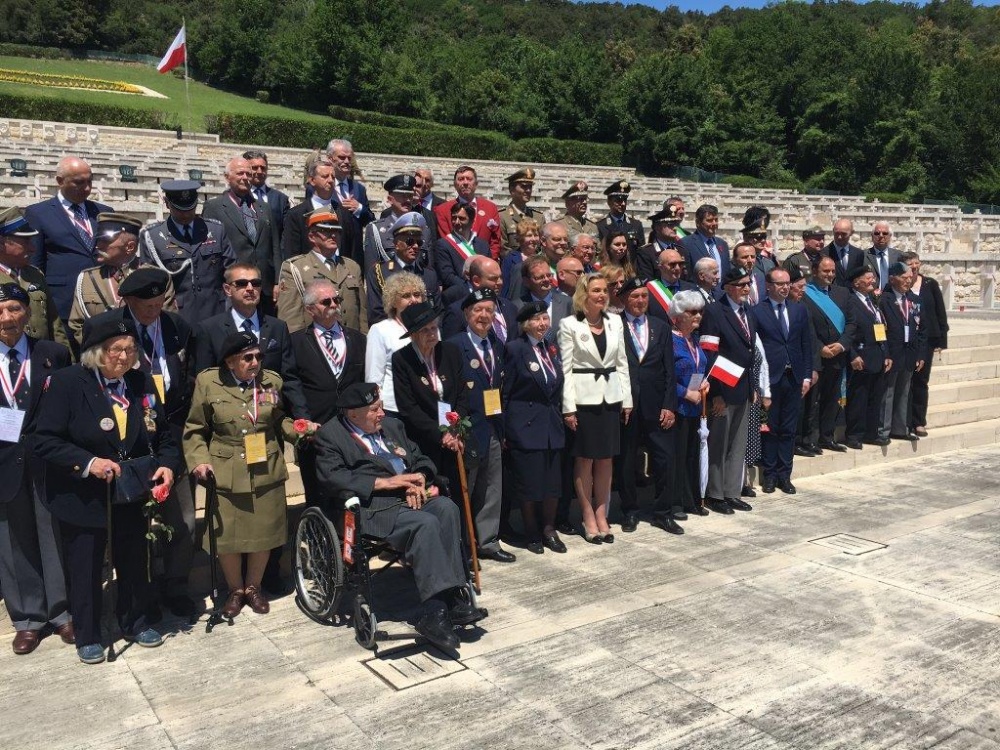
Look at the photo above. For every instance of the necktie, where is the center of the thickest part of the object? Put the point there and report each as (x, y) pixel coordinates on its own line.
(710, 244)
(637, 329)
(14, 368)
(249, 219)
(248, 327)
(147, 342)
(82, 224)
(545, 360)
(499, 328)
(743, 319)
(398, 465)
(882, 269)
(826, 291)
(187, 235)
(753, 291)
(328, 338)
(487, 358)
(116, 406)
(261, 194)
(781, 319)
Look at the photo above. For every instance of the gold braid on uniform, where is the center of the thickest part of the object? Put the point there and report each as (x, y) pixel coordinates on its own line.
(379, 278)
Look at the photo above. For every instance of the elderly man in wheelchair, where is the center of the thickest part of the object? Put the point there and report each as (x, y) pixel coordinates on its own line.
(367, 456)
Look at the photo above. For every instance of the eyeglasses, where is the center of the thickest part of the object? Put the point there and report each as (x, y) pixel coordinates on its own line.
(244, 283)
(251, 357)
(881, 234)
(117, 351)
(740, 283)
(329, 301)
(673, 263)
(411, 241)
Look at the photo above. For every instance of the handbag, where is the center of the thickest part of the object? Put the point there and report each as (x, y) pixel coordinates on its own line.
(134, 484)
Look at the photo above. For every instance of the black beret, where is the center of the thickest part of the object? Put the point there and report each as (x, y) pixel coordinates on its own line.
(898, 269)
(631, 285)
(400, 183)
(358, 395)
(480, 295)
(145, 283)
(530, 310)
(235, 343)
(12, 292)
(100, 328)
(734, 274)
(859, 271)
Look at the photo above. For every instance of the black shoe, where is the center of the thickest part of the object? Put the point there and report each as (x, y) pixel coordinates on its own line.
(554, 543)
(719, 506)
(880, 442)
(180, 605)
(699, 511)
(438, 629)
(665, 522)
(908, 436)
(736, 504)
(679, 515)
(747, 491)
(814, 448)
(463, 613)
(786, 486)
(854, 445)
(630, 523)
(801, 450)
(535, 546)
(497, 554)
(832, 445)
(767, 485)
(566, 528)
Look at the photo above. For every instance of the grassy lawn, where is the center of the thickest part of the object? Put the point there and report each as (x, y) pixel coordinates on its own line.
(204, 99)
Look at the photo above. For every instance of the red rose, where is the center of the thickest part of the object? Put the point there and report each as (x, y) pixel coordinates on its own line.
(553, 351)
(301, 426)
(160, 493)
(452, 417)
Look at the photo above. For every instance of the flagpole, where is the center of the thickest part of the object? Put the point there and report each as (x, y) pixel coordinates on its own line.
(187, 88)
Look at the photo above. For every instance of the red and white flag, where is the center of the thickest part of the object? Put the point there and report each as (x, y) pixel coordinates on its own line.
(176, 55)
(726, 371)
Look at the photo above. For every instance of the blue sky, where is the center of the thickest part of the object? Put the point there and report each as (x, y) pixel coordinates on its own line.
(710, 6)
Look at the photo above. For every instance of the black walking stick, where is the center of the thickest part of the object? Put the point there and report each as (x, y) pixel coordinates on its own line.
(112, 594)
(211, 502)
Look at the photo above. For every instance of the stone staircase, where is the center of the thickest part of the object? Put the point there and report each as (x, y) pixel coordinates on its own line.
(964, 409)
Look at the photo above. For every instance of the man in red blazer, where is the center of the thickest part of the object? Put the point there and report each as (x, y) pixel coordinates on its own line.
(486, 225)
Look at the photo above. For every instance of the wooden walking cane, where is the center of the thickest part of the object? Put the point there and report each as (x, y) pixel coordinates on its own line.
(469, 527)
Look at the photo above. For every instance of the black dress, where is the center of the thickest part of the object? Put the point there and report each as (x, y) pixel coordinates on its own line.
(598, 426)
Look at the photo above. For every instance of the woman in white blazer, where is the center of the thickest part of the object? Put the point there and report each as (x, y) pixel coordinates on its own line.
(596, 398)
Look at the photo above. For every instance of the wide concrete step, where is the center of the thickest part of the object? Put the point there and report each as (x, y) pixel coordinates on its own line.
(971, 336)
(939, 439)
(966, 355)
(961, 373)
(964, 412)
(970, 390)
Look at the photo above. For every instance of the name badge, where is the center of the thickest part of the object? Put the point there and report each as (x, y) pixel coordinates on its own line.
(160, 389)
(443, 408)
(255, 448)
(879, 329)
(11, 421)
(491, 402)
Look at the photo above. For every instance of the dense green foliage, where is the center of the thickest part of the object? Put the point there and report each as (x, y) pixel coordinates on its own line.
(878, 97)
(59, 110)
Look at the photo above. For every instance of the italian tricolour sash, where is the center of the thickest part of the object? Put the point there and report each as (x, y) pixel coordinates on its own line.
(660, 293)
(462, 247)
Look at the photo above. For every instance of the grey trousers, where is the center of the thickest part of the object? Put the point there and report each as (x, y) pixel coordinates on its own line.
(430, 541)
(485, 478)
(727, 448)
(31, 566)
(895, 411)
(178, 512)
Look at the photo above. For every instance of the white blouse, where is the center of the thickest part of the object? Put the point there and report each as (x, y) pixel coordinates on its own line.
(383, 340)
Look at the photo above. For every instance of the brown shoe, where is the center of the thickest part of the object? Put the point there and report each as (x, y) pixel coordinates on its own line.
(25, 641)
(65, 631)
(257, 601)
(234, 603)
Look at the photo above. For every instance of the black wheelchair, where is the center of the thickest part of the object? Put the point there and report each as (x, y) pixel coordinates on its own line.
(326, 569)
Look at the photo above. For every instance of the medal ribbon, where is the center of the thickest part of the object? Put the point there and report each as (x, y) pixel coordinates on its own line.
(10, 391)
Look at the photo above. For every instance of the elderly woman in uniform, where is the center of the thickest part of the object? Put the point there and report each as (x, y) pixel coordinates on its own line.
(385, 337)
(99, 425)
(531, 394)
(595, 398)
(233, 433)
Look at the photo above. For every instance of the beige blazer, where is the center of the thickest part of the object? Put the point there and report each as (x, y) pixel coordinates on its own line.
(578, 351)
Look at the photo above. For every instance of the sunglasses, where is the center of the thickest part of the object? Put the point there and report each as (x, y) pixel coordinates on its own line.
(329, 301)
(244, 283)
(740, 283)
(251, 357)
(757, 237)
(412, 242)
(881, 234)
(673, 263)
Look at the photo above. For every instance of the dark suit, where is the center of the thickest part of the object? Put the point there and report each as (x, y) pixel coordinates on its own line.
(561, 307)
(448, 263)
(60, 252)
(67, 434)
(653, 389)
(855, 258)
(263, 251)
(891, 255)
(695, 248)
(790, 364)
(30, 559)
(865, 387)
(907, 346)
(656, 308)
(278, 203)
(454, 318)
(357, 191)
(934, 316)
(295, 242)
(429, 538)
(822, 406)
(275, 346)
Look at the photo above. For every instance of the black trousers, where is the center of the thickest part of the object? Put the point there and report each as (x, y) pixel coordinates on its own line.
(660, 444)
(687, 469)
(865, 393)
(430, 541)
(919, 387)
(83, 551)
(568, 486)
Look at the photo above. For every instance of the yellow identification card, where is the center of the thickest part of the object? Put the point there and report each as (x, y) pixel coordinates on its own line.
(879, 329)
(158, 382)
(256, 448)
(491, 402)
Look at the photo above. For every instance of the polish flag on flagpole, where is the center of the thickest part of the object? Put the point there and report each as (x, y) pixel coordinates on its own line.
(176, 55)
(726, 371)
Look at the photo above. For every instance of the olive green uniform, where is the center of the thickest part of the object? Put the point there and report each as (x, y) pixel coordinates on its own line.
(509, 219)
(43, 320)
(345, 275)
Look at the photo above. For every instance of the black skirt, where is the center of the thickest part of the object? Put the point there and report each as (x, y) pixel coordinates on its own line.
(598, 430)
(535, 475)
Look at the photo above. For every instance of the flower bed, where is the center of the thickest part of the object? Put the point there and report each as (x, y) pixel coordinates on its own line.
(72, 82)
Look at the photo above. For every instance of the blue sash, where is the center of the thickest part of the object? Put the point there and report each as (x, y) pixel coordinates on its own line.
(827, 306)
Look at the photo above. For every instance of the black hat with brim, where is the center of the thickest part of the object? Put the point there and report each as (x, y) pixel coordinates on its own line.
(417, 316)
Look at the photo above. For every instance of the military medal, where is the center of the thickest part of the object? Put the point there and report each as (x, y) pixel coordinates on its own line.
(107, 424)
(425, 381)
(149, 417)
(533, 366)
(474, 364)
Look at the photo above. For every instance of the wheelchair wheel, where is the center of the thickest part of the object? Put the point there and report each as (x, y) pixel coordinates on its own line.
(319, 568)
(365, 624)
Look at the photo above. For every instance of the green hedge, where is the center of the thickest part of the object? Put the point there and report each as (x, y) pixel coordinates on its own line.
(457, 142)
(390, 121)
(59, 110)
(745, 181)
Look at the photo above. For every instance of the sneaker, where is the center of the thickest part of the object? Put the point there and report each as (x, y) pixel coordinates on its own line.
(92, 653)
(147, 638)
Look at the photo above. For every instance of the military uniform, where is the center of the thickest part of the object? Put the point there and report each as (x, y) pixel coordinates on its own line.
(510, 217)
(43, 320)
(97, 292)
(375, 283)
(575, 226)
(379, 244)
(802, 261)
(297, 273)
(630, 225)
(196, 268)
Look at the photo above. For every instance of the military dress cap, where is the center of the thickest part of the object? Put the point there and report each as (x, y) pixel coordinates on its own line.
(757, 225)
(409, 222)
(630, 285)
(110, 225)
(666, 216)
(181, 194)
(400, 183)
(358, 396)
(578, 189)
(480, 295)
(12, 292)
(898, 269)
(522, 175)
(144, 283)
(735, 274)
(235, 343)
(621, 188)
(323, 218)
(13, 223)
(814, 231)
(417, 316)
(99, 329)
(530, 310)
(794, 274)
(859, 271)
